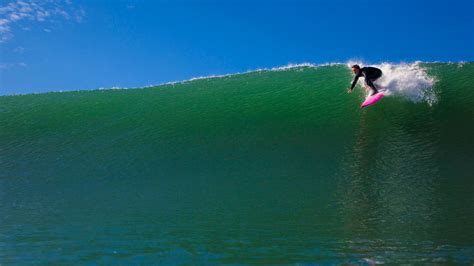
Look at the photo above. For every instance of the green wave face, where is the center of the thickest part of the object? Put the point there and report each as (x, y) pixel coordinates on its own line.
(271, 166)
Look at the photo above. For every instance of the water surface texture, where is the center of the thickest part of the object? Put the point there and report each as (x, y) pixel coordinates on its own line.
(271, 166)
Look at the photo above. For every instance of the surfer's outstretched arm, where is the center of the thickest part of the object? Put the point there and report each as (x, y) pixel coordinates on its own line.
(354, 82)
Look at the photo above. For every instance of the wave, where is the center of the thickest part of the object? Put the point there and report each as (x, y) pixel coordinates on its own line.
(408, 80)
(285, 144)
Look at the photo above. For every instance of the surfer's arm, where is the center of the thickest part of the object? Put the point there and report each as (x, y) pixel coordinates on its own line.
(354, 82)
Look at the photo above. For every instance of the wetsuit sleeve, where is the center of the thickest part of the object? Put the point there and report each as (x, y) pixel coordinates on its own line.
(354, 82)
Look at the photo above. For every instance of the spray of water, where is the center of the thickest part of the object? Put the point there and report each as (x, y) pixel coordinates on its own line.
(407, 80)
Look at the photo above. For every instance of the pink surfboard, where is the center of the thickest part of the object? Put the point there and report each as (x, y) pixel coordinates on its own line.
(372, 99)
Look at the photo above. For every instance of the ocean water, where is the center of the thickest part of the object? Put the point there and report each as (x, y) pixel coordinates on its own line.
(275, 166)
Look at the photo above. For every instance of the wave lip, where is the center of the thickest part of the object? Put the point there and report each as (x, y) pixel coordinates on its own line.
(409, 80)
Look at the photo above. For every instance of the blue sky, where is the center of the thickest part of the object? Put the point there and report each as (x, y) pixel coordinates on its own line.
(54, 45)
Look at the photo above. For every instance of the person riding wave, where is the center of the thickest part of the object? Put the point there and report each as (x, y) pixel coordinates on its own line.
(370, 75)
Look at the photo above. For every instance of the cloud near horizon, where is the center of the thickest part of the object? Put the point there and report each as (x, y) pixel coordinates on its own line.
(15, 14)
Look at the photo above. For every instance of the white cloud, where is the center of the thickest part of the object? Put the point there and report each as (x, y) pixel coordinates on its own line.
(79, 14)
(17, 13)
(4, 66)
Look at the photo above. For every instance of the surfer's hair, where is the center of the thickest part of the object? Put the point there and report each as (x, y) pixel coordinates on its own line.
(356, 66)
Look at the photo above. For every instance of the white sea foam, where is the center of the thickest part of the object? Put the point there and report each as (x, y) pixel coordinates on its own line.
(408, 80)
(292, 65)
(279, 68)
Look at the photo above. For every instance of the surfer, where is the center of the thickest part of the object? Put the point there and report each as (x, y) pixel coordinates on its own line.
(370, 74)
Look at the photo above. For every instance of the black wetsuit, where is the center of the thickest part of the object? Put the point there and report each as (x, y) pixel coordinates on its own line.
(370, 74)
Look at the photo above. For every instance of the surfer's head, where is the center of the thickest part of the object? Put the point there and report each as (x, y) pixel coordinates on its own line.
(355, 69)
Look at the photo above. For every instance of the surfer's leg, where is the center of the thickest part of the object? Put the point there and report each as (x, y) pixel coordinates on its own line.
(371, 85)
